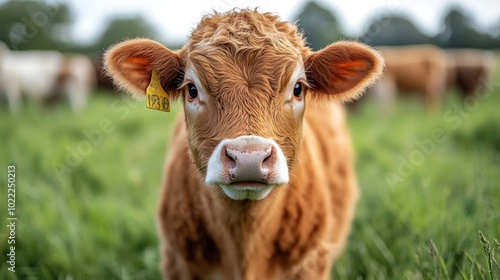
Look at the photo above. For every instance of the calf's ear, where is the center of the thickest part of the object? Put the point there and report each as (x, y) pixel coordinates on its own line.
(132, 62)
(343, 70)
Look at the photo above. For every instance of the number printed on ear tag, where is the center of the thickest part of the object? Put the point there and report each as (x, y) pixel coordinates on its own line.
(156, 97)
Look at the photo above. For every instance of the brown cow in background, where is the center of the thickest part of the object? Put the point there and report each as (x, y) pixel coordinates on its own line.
(103, 80)
(420, 69)
(469, 70)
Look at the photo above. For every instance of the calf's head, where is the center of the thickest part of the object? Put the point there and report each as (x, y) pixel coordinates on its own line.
(244, 78)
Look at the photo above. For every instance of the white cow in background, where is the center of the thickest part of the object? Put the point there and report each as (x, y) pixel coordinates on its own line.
(43, 75)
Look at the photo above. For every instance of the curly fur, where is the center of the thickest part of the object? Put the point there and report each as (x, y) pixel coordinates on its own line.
(244, 60)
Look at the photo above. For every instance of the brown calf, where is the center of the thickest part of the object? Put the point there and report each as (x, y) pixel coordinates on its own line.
(256, 186)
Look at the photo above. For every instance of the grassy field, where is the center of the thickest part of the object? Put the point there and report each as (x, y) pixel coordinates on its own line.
(87, 186)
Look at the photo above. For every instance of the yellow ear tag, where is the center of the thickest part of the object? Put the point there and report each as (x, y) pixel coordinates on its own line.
(156, 97)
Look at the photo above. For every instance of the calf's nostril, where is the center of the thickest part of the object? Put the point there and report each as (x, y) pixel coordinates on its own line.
(229, 158)
(268, 158)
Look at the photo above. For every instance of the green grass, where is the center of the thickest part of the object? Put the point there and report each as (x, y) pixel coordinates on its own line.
(96, 220)
(425, 223)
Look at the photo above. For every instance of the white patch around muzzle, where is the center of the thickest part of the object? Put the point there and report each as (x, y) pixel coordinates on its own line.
(247, 167)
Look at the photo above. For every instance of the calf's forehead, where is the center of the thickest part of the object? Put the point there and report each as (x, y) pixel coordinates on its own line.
(245, 48)
(246, 28)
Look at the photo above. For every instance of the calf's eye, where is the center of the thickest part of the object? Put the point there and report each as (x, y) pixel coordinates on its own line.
(297, 90)
(192, 91)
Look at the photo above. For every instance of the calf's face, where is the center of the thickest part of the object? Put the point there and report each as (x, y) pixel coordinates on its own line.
(244, 113)
(243, 78)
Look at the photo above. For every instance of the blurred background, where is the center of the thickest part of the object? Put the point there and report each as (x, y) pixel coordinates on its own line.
(89, 159)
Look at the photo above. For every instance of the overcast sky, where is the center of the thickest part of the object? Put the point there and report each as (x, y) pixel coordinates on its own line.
(175, 19)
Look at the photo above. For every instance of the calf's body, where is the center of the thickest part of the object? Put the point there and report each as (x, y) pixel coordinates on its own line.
(256, 186)
(295, 234)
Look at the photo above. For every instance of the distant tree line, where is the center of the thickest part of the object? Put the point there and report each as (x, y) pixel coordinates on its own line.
(34, 25)
(321, 27)
(47, 25)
